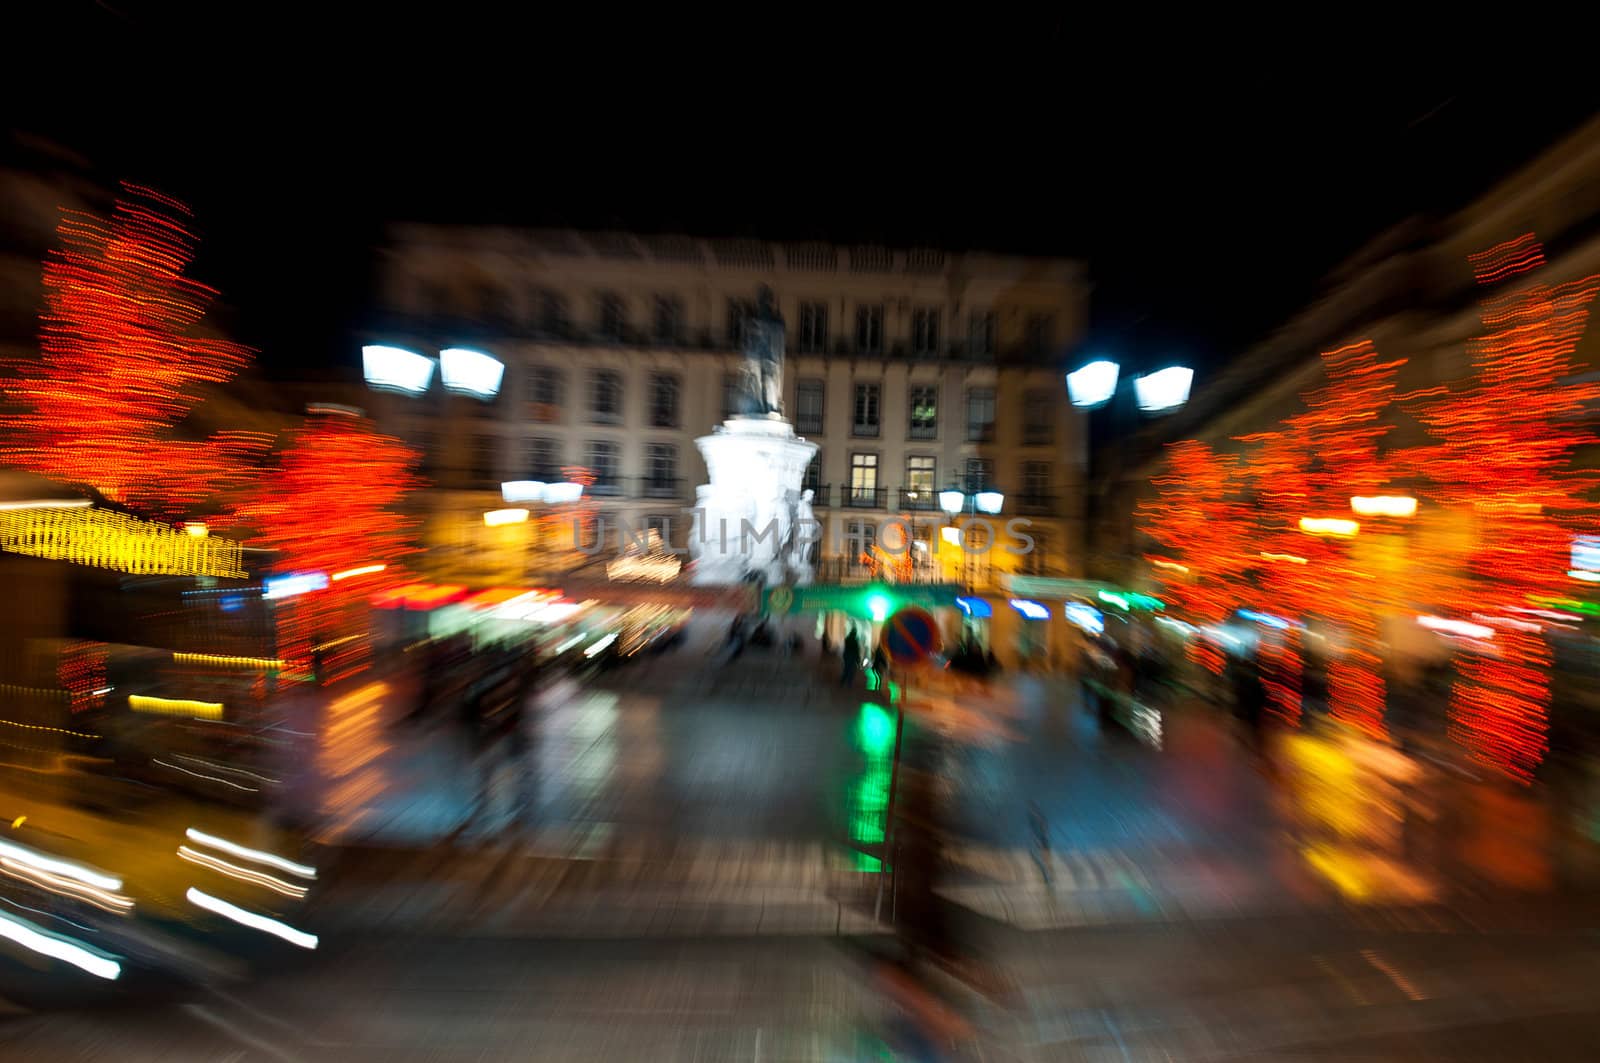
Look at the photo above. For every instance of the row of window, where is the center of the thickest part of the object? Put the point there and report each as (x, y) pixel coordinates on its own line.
(811, 331)
(603, 460)
(605, 395)
(921, 484)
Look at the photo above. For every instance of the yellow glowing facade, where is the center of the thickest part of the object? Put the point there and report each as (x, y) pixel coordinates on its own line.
(105, 539)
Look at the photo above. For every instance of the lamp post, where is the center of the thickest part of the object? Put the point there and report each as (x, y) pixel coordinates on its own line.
(526, 492)
(954, 501)
(1097, 384)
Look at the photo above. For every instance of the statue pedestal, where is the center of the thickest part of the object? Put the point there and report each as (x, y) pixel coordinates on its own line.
(752, 505)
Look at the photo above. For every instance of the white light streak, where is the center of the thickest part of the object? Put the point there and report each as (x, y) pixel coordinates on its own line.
(253, 855)
(46, 944)
(251, 919)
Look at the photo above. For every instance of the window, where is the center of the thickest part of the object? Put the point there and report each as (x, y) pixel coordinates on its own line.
(863, 479)
(1040, 328)
(860, 537)
(605, 396)
(923, 421)
(730, 395)
(738, 311)
(812, 480)
(921, 492)
(544, 459)
(611, 317)
(544, 394)
(813, 335)
(980, 332)
(866, 420)
(661, 469)
(552, 310)
(485, 457)
(925, 331)
(980, 414)
(808, 406)
(669, 319)
(603, 467)
(1038, 417)
(1035, 483)
(869, 329)
(663, 400)
(980, 474)
(1036, 562)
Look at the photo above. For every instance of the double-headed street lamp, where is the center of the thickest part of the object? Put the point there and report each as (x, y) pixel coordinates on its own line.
(1094, 385)
(461, 369)
(954, 502)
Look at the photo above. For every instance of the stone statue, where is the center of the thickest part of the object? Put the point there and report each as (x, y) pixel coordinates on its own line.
(763, 359)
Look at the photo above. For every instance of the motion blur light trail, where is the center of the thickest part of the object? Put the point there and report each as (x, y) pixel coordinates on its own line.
(262, 923)
(45, 943)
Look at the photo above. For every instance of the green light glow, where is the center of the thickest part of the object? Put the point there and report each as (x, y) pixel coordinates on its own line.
(875, 730)
(878, 606)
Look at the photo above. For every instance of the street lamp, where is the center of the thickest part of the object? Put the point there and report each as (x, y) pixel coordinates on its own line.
(1164, 390)
(1094, 384)
(462, 370)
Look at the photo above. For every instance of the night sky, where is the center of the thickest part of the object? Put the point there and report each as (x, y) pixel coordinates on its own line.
(1208, 195)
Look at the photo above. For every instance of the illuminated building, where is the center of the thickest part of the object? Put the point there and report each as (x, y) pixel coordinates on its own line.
(912, 369)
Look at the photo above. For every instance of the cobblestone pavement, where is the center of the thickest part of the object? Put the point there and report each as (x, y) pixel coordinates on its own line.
(1318, 988)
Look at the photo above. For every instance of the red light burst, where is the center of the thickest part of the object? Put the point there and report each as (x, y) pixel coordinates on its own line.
(1505, 444)
(120, 364)
(329, 507)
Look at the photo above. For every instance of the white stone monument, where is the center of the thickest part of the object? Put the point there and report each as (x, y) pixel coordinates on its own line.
(755, 522)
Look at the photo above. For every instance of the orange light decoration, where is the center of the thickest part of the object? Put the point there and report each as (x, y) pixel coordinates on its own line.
(120, 364)
(328, 507)
(1193, 516)
(1281, 675)
(1314, 464)
(1505, 440)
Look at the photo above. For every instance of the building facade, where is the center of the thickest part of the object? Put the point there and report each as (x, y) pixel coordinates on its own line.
(1411, 291)
(913, 370)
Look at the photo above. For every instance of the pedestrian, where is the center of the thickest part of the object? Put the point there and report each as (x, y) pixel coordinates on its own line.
(1040, 828)
(850, 659)
(1250, 702)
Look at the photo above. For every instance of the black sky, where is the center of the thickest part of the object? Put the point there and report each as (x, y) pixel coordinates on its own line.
(1208, 192)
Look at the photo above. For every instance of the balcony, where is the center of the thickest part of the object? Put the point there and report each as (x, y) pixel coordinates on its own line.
(660, 487)
(821, 496)
(922, 499)
(865, 429)
(980, 431)
(1035, 503)
(922, 431)
(807, 425)
(866, 497)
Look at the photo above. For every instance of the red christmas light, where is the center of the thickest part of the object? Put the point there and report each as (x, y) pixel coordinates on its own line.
(120, 364)
(1193, 517)
(1505, 443)
(328, 508)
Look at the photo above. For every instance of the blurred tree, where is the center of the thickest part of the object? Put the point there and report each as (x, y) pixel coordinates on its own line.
(329, 507)
(1505, 441)
(1207, 534)
(121, 365)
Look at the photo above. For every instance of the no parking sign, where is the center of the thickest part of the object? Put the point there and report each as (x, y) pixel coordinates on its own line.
(911, 636)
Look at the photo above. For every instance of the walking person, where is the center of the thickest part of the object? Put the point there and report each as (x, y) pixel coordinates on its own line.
(1039, 827)
(850, 659)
